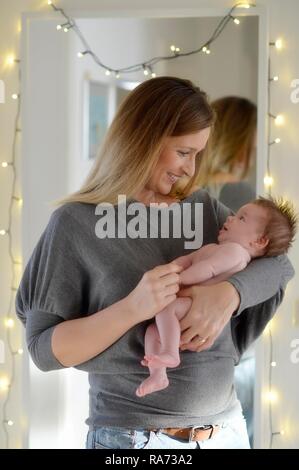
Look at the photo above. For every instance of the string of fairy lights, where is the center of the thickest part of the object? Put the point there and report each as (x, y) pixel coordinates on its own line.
(278, 120)
(7, 382)
(147, 67)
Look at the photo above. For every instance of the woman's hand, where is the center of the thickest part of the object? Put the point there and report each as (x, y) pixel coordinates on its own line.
(157, 289)
(211, 309)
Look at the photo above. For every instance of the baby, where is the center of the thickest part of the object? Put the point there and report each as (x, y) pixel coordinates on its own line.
(264, 227)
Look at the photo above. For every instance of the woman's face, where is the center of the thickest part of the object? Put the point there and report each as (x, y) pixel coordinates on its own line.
(177, 159)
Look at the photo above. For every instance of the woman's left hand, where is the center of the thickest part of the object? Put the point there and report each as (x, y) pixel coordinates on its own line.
(212, 308)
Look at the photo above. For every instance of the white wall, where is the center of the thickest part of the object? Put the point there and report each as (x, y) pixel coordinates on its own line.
(282, 22)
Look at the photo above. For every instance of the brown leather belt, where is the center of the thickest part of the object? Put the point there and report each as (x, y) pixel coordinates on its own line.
(192, 434)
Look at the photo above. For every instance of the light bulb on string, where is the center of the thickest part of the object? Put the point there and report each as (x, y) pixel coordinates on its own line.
(272, 396)
(9, 322)
(275, 141)
(65, 26)
(243, 5)
(206, 50)
(10, 60)
(107, 72)
(18, 263)
(278, 43)
(153, 74)
(19, 352)
(9, 422)
(4, 383)
(18, 200)
(6, 164)
(273, 79)
(236, 20)
(268, 181)
(3, 232)
(273, 364)
(117, 74)
(15, 96)
(279, 120)
(145, 71)
(172, 48)
(278, 433)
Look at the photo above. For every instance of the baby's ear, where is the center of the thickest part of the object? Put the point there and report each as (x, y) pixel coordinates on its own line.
(262, 242)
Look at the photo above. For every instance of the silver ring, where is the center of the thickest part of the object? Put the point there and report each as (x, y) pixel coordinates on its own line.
(201, 339)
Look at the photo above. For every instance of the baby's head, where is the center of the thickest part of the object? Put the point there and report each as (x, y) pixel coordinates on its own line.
(265, 227)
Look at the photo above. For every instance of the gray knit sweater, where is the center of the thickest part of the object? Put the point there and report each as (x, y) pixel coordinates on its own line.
(72, 273)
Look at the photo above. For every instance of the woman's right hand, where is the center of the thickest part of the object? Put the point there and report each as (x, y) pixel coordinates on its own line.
(156, 289)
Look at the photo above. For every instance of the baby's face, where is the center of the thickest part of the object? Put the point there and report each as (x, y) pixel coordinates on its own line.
(247, 226)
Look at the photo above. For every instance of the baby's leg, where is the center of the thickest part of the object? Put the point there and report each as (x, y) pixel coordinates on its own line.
(158, 379)
(169, 331)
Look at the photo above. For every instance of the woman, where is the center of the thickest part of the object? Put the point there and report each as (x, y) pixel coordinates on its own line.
(86, 301)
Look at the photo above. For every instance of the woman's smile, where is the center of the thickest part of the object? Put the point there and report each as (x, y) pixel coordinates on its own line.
(172, 177)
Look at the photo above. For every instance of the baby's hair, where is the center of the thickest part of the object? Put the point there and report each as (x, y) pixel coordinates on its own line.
(281, 226)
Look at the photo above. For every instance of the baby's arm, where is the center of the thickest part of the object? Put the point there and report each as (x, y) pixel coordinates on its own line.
(185, 261)
(197, 255)
(223, 258)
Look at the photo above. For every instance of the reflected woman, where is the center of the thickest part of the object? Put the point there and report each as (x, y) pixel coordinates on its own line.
(225, 171)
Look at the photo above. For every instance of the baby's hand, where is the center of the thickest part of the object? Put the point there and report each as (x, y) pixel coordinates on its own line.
(183, 261)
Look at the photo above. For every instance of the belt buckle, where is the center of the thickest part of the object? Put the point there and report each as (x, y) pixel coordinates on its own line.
(210, 426)
(191, 434)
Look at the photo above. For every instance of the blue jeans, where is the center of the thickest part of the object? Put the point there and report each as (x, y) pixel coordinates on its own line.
(232, 435)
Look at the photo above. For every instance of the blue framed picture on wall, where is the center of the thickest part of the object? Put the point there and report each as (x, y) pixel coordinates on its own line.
(96, 116)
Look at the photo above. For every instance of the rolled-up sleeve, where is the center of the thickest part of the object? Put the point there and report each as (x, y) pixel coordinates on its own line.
(51, 289)
(261, 280)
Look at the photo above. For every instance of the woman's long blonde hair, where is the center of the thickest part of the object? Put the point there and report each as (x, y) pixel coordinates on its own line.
(232, 139)
(156, 109)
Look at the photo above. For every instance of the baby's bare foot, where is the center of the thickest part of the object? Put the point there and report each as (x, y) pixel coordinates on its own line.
(161, 360)
(151, 385)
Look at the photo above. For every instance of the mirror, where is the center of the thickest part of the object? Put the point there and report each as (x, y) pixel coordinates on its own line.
(61, 128)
